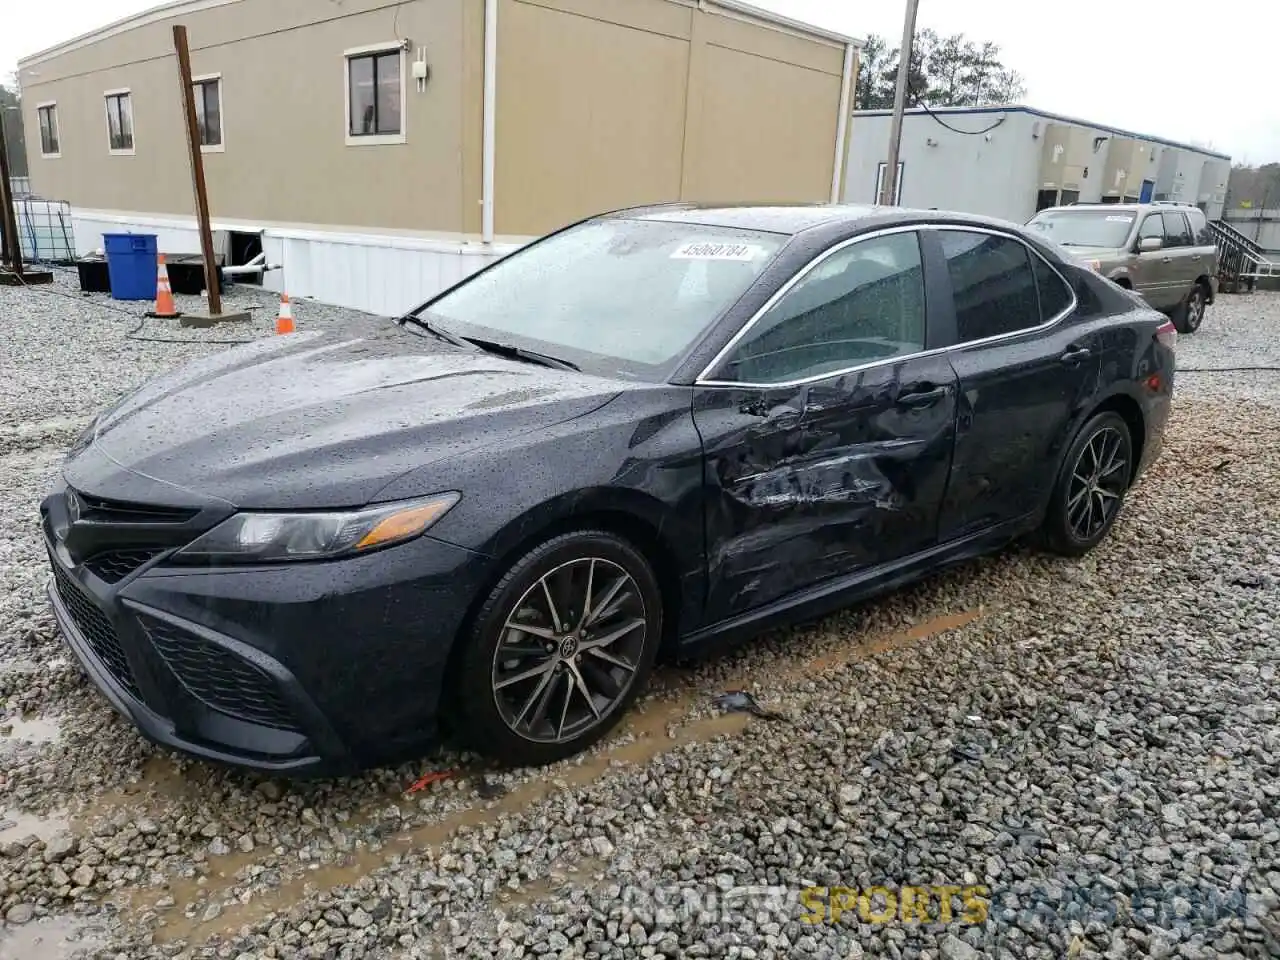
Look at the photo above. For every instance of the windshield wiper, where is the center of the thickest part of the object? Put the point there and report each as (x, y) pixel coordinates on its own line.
(520, 353)
(435, 330)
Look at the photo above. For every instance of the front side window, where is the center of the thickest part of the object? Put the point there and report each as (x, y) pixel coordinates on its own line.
(993, 284)
(48, 116)
(862, 304)
(208, 98)
(1152, 227)
(1100, 229)
(1176, 231)
(621, 296)
(120, 122)
(375, 92)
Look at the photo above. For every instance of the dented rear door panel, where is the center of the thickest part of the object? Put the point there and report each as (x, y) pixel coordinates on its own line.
(822, 480)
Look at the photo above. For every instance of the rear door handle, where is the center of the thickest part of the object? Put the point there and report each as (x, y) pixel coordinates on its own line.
(924, 397)
(1076, 355)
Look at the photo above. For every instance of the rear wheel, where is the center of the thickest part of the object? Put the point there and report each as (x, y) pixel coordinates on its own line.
(560, 649)
(1190, 313)
(1091, 486)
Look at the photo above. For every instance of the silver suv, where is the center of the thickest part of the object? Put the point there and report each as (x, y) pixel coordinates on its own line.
(1165, 252)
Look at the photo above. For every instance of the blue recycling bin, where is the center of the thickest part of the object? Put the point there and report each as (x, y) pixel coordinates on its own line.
(131, 265)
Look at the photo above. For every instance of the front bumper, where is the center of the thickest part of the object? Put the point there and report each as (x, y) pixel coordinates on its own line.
(306, 670)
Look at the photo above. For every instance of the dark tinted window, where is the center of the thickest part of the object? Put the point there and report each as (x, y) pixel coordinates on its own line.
(1200, 231)
(861, 304)
(1055, 295)
(995, 288)
(1176, 232)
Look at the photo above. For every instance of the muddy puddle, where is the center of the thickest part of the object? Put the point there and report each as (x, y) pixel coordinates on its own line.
(659, 726)
(30, 729)
(16, 825)
(53, 938)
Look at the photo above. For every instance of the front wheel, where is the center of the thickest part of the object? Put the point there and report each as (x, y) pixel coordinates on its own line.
(560, 649)
(1091, 486)
(1190, 313)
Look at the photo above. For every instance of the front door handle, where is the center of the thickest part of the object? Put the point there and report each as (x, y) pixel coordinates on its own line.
(1167, 260)
(1076, 355)
(924, 397)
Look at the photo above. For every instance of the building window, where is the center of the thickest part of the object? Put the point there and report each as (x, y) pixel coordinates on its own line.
(375, 94)
(208, 97)
(48, 116)
(119, 122)
(881, 168)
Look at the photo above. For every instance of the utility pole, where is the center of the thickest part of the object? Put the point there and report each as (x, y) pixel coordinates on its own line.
(201, 191)
(889, 186)
(12, 242)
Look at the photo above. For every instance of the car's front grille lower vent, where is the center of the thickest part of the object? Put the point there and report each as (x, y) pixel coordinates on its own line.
(220, 679)
(96, 629)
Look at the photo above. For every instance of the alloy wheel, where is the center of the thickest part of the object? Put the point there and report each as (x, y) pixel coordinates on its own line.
(1098, 481)
(569, 650)
(1195, 309)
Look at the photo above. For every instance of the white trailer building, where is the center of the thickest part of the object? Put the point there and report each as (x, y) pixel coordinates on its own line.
(1010, 161)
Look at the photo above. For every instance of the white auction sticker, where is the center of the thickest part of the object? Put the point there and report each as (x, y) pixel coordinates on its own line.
(1114, 219)
(704, 250)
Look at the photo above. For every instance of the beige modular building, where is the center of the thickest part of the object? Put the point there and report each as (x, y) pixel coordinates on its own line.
(381, 149)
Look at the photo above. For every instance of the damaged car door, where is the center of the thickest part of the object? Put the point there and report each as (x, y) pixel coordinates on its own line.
(827, 428)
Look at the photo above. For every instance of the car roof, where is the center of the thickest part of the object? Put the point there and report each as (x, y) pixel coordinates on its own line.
(1125, 207)
(797, 218)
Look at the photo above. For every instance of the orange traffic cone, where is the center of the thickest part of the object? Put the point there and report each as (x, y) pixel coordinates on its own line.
(165, 307)
(284, 322)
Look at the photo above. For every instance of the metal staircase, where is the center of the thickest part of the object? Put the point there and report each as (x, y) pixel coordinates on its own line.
(1240, 260)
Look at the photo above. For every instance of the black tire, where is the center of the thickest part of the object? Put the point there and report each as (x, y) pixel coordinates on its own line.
(1189, 314)
(1106, 436)
(488, 691)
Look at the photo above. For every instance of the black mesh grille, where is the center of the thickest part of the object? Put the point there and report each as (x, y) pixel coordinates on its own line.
(96, 629)
(114, 565)
(114, 511)
(219, 678)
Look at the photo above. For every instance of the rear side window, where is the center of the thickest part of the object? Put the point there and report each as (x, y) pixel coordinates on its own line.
(1055, 295)
(993, 283)
(1200, 231)
(1176, 232)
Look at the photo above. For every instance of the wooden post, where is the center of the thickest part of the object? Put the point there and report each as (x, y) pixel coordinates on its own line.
(197, 170)
(8, 222)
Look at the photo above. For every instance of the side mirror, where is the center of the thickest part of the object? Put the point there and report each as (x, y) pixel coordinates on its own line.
(1148, 244)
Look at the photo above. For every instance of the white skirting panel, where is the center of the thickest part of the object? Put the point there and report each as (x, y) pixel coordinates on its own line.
(381, 273)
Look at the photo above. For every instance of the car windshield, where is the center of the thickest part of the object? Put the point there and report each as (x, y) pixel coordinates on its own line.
(1085, 228)
(618, 295)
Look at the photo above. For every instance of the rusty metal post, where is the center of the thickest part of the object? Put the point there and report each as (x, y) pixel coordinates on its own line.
(197, 170)
(8, 222)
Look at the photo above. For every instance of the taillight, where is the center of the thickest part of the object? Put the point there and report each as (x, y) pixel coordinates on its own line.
(1167, 334)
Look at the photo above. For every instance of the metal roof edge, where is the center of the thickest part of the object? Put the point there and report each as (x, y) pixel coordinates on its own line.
(777, 19)
(1045, 114)
(174, 8)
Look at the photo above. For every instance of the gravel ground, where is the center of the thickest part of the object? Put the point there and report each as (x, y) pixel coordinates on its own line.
(1048, 758)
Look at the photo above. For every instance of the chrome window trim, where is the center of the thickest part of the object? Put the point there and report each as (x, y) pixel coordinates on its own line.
(705, 380)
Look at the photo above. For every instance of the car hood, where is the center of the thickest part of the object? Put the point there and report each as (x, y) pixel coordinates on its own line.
(328, 419)
(1097, 253)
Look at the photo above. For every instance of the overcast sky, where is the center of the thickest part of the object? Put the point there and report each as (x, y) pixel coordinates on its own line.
(1184, 71)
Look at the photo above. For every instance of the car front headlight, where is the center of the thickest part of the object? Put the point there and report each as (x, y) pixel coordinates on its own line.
(277, 537)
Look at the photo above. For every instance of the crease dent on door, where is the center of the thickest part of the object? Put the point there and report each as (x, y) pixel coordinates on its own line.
(837, 482)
